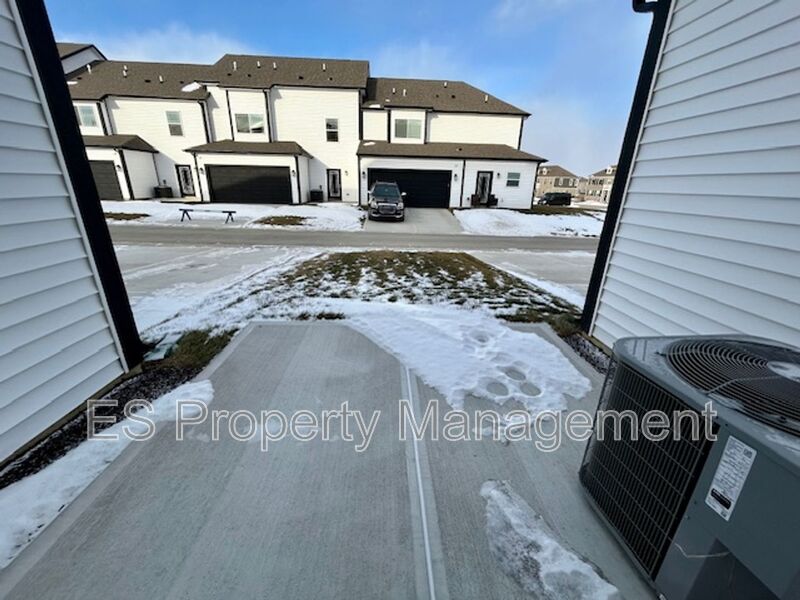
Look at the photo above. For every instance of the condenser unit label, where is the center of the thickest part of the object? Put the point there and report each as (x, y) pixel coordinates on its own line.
(732, 471)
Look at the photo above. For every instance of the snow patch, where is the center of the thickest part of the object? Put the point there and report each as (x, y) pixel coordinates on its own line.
(530, 552)
(322, 217)
(464, 353)
(486, 221)
(29, 505)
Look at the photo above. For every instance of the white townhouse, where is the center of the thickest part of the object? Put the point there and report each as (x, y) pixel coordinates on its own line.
(293, 130)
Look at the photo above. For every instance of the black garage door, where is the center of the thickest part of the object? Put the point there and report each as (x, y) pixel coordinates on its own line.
(424, 189)
(239, 184)
(105, 179)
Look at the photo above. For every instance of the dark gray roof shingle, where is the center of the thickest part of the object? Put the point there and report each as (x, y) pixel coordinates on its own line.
(554, 171)
(276, 70)
(126, 142)
(446, 150)
(138, 80)
(438, 95)
(66, 49)
(231, 147)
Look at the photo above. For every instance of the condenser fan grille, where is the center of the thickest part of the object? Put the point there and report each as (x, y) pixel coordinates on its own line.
(758, 380)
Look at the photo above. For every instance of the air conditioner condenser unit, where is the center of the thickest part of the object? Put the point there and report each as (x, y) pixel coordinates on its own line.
(704, 519)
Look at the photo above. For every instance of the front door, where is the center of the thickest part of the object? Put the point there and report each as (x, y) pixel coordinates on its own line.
(185, 180)
(483, 186)
(334, 184)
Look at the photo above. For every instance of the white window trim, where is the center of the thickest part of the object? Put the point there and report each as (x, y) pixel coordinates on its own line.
(171, 124)
(335, 129)
(250, 122)
(408, 137)
(79, 109)
(514, 177)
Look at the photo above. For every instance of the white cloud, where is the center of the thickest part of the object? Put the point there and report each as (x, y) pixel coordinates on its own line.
(173, 43)
(569, 133)
(422, 60)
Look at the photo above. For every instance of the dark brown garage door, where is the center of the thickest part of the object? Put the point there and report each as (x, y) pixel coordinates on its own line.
(105, 179)
(240, 184)
(423, 189)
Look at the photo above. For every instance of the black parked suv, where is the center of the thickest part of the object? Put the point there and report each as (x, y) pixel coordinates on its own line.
(386, 201)
(556, 199)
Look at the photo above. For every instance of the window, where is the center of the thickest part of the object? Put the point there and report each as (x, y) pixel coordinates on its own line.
(86, 116)
(512, 180)
(249, 123)
(332, 130)
(174, 122)
(408, 129)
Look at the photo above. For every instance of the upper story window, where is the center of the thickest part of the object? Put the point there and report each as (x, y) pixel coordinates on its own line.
(86, 116)
(246, 123)
(408, 129)
(512, 180)
(174, 122)
(332, 130)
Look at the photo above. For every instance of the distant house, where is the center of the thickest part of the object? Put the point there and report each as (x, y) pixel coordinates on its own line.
(702, 234)
(66, 328)
(76, 56)
(598, 186)
(554, 178)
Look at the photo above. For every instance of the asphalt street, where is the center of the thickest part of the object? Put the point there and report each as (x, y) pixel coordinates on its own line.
(194, 235)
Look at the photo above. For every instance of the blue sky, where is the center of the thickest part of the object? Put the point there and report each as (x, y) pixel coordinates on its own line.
(571, 63)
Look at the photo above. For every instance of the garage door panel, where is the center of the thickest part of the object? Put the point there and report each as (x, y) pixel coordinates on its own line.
(423, 189)
(105, 179)
(250, 184)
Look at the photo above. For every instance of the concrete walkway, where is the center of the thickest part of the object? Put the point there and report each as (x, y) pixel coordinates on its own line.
(418, 220)
(200, 519)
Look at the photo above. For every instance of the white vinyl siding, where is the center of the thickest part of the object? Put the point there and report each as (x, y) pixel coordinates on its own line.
(519, 196)
(146, 117)
(405, 116)
(80, 59)
(58, 346)
(253, 105)
(474, 129)
(88, 118)
(708, 240)
(142, 172)
(299, 115)
(375, 127)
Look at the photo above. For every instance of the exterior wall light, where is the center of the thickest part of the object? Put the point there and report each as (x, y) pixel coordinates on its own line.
(455, 176)
(119, 168)
(363, 174)
(294, 174)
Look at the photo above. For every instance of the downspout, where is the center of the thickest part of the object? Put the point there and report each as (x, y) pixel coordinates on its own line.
(535, 179)
(121, 154)
(230, 115)
(297, 171)
(660, 10)
(199, 179)
(268, 116)
(463, 174)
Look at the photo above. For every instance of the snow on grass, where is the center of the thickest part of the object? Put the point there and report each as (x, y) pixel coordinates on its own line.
(486, 221)
(318, 217)
(464, 353)
(29, 505)
(434, 311)
(530, 552)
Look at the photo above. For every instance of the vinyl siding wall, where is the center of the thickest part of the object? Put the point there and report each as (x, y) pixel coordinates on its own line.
(507, 197)
(474, 129)
(299, 116)
(248, 102)
(98, 128)
(57, 346)
(375, 127)
(708, 239)
(147, 118)
(219, 119)
(80, 59)
(142, 171)
(418, 115)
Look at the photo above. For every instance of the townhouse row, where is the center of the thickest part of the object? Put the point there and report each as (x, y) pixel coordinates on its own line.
(293, 130)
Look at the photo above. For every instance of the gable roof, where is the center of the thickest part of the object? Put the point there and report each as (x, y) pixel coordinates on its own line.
(446, 150)
(278, 70)
(602, 172)
(126, 142)
(438, 95)
(555, 171)
(231, 147)
(67, 49)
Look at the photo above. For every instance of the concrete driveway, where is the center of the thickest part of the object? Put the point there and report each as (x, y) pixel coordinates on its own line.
(201, 519)
(419, 220)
